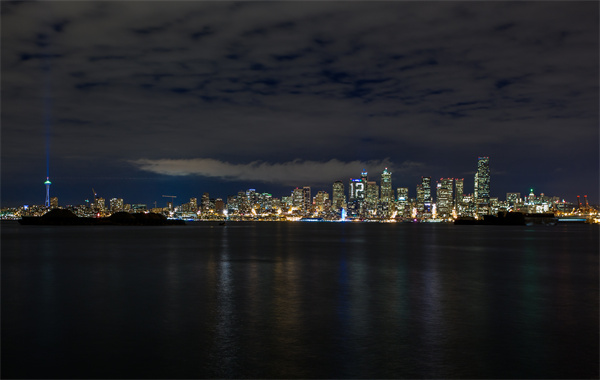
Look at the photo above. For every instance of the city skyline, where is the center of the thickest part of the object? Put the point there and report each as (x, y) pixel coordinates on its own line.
(447, 193)
(137, 100)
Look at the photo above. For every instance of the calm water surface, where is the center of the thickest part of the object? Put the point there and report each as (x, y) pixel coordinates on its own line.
(300, 300)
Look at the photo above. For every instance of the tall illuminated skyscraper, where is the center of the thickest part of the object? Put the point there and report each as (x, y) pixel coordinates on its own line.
(402, 205)
(444, 197)
(426, 197)
(459, 191)
(298, 198)
(339, 199)
(47, 183)
(357, 189)
(307, 200)
(387, 194)
(482, 180)
(372, 196)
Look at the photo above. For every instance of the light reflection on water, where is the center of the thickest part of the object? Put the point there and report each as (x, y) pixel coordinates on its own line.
(316, 300)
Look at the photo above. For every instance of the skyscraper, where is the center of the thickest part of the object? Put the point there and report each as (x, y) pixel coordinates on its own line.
(321, 201)
(482, 180)
(298, 198)
(339, 199)
(482, 187)
(387, 194)
(444, 197)
(425, 207)
(402, 204)
(356, 189)
(307, 200)
(459, 192)
(420, 200)
(372, 197)
(205, 202)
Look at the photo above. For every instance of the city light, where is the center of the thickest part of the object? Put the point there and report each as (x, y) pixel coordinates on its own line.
(363, 200)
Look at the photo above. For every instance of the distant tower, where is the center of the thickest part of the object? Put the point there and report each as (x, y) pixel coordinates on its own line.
(482, 180)
(47, 183)
(306, 199)
(387, 194)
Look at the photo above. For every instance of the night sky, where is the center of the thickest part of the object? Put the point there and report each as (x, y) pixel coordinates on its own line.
(143, 99)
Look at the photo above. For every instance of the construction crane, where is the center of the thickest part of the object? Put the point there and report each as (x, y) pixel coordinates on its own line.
(172, 198)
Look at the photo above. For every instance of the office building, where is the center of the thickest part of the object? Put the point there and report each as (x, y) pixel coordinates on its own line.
(116, 204)
(387, 194)
(513, 198)
(482, 180)
(444, 197)
(356, 190)
(339, 198)
(402, 202)
(459, 191)
(298, 198)
(321, 201)
(372, 197)
(100, 204)
(307, 200)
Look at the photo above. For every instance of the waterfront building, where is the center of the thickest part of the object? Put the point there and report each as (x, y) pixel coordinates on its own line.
(387, 194)
(205, 202)
(444, 197)
(482, 180)
(402, 202)
(339, 198)
(468, 206)
(193, 204)
(482, 188)
(420, 200)
(424, 201)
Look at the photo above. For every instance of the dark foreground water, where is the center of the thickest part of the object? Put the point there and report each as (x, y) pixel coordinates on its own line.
(309, 300)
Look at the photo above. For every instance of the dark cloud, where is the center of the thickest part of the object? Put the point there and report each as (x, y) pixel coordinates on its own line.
(319, 81)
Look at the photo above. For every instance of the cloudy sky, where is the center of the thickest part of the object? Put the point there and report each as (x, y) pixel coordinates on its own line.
(147, 98)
